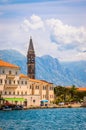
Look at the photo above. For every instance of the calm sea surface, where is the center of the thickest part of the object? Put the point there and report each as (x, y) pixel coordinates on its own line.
(44, 119)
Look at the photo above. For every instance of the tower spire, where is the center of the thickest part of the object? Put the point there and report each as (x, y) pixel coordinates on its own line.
(31, 48)
(31, 60)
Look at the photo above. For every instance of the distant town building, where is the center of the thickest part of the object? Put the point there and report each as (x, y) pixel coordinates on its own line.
(24, 89)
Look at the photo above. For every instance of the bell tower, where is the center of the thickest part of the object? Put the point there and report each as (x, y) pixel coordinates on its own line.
(31, 60)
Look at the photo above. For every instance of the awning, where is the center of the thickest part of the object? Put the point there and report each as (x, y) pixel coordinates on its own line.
(14, 99)
(44, 100)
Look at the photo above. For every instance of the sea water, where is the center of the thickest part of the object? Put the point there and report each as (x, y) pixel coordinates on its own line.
(44, 119)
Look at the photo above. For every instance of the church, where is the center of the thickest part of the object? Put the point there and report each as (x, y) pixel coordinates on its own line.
(17, 88)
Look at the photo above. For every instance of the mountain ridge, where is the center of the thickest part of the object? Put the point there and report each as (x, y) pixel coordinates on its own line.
(50, 69)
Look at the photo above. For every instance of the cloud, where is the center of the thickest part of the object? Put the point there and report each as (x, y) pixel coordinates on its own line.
(34, 23)
(50, 36)
(56, 38)
(66, 34)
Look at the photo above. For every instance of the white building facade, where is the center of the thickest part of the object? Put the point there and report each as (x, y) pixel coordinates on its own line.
(18, 88)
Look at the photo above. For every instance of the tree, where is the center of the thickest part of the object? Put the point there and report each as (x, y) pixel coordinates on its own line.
(73, 91)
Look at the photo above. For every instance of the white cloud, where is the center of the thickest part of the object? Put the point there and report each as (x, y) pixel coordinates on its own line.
(50, 36)
(56, 38)
(66, 34)
(35, 22)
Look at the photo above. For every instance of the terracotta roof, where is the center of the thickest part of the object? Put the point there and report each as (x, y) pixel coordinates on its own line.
(23, 76)
(81, 89)
(7, 64)
(36, 80)
(46, 82)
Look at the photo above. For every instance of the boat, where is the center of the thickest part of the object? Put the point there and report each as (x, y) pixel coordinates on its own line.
(6, 108)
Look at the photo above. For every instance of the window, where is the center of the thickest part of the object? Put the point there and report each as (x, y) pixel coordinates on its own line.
(14, 81)
(9, 81)
(10, 93)
(21, 93)
(51, 96)
(18, 81)
(37, 87)
(13, 93)
(3, 71)
(5, 81)
(10, 72)
(51, 88)
(18, 93)
(21, 82)
(25, 82)
(30, 87)
(0, 81)
(5, 93)
(34, 101)
(16, 73)
(44, 87)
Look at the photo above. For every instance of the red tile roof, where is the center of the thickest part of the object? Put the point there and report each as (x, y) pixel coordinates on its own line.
(81, 89)
(23, 76)
(7, 64)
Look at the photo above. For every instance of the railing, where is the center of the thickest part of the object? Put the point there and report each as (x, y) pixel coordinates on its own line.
(10, 86)
(10, 76)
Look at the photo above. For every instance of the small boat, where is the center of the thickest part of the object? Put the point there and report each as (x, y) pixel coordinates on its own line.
(18, 107)
(6, 108)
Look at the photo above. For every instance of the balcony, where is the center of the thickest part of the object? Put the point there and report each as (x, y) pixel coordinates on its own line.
(10, 76)
(11, 86)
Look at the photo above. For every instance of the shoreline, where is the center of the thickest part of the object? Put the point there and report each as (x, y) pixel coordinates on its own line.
(57, 106)
(51, 107)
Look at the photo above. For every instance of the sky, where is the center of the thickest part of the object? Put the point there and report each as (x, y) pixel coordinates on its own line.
(57, 27)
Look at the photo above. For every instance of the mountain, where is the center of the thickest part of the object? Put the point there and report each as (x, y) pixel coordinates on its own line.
(50, 69)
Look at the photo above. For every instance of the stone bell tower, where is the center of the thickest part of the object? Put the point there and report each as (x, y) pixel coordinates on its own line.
(31, 60)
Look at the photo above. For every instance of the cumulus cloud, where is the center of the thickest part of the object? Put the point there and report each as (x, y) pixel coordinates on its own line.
(66, 34)
(54, 36)
(34, 23)
(59, 32)
(50, 36)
